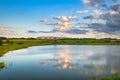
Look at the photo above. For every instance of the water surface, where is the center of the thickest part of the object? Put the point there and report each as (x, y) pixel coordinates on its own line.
(60, 62)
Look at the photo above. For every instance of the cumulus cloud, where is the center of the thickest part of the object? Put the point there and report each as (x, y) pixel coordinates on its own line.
(113, 13)
(102, 22)
(102, 28)
(96, 14)
(92, 3)
(112, 18)
(116, 7)
(65, 18)
(63, 24)
(112, 24)
(66, 26)
(82, 12)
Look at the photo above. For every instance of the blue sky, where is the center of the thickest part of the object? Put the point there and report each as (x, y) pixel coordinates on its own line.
(25, 16)
(27, 13)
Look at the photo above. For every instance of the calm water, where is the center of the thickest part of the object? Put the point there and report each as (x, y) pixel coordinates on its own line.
(60, 62)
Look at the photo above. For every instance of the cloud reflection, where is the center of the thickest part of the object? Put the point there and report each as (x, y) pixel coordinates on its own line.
(63, 61)
(84, 63)
(66, 65)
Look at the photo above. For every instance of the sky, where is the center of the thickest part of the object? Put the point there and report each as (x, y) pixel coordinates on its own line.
(60, 18)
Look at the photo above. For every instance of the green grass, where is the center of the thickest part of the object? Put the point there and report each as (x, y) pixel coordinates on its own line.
(113, 77)
(18, 44)
(15, 44)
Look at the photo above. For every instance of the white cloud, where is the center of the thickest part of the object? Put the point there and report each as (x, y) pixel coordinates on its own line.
(116, 8)
(67, 27)
(96, 14)
(65, 18)
(92, 3)
(113, 19)
(63, 26)
(82, 12)
(103, 24)
(113, 13)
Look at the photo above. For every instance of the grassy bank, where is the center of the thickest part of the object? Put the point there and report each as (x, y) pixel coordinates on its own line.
(113, 77)
(19, 44)
(14, 44)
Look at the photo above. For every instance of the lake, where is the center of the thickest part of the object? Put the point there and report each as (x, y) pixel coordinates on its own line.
(60, 62)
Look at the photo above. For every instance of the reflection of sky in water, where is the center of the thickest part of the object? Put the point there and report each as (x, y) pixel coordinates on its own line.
(61, 62)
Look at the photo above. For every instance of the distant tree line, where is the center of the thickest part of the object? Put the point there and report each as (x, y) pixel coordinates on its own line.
(31, 38)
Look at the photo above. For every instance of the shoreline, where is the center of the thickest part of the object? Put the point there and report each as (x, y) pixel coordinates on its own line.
(22, 43)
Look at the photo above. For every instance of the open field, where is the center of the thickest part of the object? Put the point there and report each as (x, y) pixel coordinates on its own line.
(14, 44)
